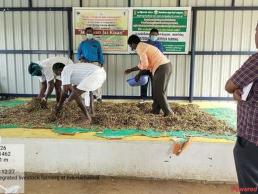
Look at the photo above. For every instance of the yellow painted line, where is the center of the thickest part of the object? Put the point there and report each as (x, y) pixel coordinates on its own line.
(212, 104)
(24, 99)
(145, 138)
(192, 139)
(48, 133)
(44, 133)
(210, 140)
(231, 105)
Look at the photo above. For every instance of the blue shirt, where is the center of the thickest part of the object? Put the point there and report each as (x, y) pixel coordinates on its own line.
(156, 44)
(91, 50)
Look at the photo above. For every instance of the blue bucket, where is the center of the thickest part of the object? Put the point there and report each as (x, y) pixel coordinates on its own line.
(142, 81)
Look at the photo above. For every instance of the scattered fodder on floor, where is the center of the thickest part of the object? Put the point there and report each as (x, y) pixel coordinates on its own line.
(115, 116)
(36, 104)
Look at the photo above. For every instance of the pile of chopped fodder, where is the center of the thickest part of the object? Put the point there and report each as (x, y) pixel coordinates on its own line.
(115, 116)
(36, 104)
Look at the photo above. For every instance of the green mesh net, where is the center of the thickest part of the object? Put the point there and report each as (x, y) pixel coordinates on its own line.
(117, 134)
(226, 114)
(11, 103)
(8, 126)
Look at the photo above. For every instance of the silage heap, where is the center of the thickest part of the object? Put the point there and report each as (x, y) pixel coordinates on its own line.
(114, 116)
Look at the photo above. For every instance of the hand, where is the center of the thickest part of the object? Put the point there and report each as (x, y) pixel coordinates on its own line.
(137, 77)
(82, 60)
(44, 99)
(66, 102)
(127, 71)
(237, 95)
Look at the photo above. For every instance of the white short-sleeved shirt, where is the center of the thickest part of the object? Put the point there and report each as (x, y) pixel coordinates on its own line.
(75, 73)
(47, 64)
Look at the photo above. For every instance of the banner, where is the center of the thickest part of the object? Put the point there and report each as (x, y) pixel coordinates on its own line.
(110, 27)
(172, 23)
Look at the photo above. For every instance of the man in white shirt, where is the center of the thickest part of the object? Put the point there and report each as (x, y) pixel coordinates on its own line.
(49, 81)
(78, 79)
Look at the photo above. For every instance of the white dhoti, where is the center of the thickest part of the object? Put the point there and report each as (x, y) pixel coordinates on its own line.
(92, 83)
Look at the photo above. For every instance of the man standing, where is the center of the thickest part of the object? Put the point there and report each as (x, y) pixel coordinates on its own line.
(49, 81)
(159, 65)
(77, 79)
(246, 148)
(90, 51)
(153, 40)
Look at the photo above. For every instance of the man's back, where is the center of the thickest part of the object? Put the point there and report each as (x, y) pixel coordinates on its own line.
(47, 64)
(150, 56)
(75, 73)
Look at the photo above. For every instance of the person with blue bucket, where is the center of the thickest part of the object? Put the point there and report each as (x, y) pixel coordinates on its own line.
(153, 60)
(152, 40)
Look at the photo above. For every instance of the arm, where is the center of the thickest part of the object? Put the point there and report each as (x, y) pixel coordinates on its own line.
(242, 77)
(100, 55)
(50, 88)
(161, 47)
(232, 88)
(79, 52)
(144, 62)
(71, 97)
(43, 88)
(64, 95)
(58, 84)
(76, 96)
(127, 71)
(139, 74)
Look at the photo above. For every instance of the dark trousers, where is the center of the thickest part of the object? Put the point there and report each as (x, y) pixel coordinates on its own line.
(144, 91)
(144, 88)
(246, 161)
(159, 86)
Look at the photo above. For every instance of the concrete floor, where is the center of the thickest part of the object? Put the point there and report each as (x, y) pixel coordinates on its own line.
(123, 186)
